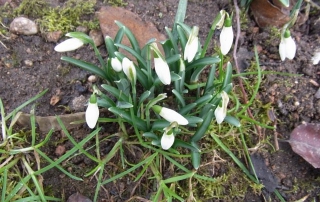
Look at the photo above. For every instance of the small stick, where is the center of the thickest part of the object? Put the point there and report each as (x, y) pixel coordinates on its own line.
(237, 66)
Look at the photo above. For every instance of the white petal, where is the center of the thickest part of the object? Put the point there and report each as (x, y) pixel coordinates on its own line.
(127, 67)
(191, 49)
(290, 47)
(69, 45)
(92, 114)
(167, 141)
(171, 116)
(116, 64)
(282, 50)
(162, 70)
(226, 40)
(316, 58)
(221, 112)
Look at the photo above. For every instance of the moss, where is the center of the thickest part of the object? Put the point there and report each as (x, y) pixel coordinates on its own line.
(32, 8)
(68, 17)
(116, 2)
(65, 18)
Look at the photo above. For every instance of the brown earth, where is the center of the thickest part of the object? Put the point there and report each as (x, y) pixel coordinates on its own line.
(292, 97)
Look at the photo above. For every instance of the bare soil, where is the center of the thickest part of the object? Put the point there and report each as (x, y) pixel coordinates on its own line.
(292, 97)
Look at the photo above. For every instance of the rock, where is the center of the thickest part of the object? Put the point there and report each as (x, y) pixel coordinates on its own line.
(29, 63)
(97, 37)
(317, 95)
(60, 150)
(82, 29)
(24, 26)
(50, 122)
(53, 36)
(143, 31)
(77, 197)
(78, 103)
(92, 78)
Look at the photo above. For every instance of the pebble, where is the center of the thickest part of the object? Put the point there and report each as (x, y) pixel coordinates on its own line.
(60, 150)
(80, 88)
(92, 78)
(53, 36)
(78, 103)
(317, 95)
(77, 197)
(24, 26)
(82, 29)
(97, 37)
(28, 63)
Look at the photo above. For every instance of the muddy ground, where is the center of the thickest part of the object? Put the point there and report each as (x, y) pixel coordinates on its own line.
(292, 97)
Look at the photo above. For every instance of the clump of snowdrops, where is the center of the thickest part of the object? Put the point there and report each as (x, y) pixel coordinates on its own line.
(159, 92)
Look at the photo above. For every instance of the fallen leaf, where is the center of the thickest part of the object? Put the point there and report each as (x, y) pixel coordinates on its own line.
(54, 100)
(264, 174)
(305, 141)
(269, 14)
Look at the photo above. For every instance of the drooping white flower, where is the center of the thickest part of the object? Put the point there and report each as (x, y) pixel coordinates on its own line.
(221, 112)
(226, 36)
(170, 115)
(167, 139)
(316, 58)
(129, 69)
(287, 47)
(191, 48)
(92, 112)
(160, 65)
(162, 70)
(116, 64)
(69, 45)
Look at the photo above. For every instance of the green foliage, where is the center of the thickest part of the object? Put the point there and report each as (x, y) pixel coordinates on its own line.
(32, 8)
(118, 3)
(65, 18)
(68, 17)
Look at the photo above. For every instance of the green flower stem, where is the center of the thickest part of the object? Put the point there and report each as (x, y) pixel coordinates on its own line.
(98, 54)
(221, 67)
(134, 96)
(210, 34)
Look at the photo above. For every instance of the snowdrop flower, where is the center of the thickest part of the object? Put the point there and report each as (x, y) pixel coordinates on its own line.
(170, 115)
(69, 45)
(221, 112)
(316, 58)
(92, 112)
(116, 64)
(162, 70)
(221, 21)
(287, 47)
(161, 66)
(167, 138)
(192, 45)
(129, 69)
(226, 36)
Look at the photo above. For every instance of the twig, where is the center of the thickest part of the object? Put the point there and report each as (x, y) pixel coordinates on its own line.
(244, 94)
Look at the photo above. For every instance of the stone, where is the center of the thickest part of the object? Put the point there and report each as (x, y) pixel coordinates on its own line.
(92, 78)
(24, 26)
(77, 197)
(79, 103)
(53, 36)
(143, 31)
(97, 37)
